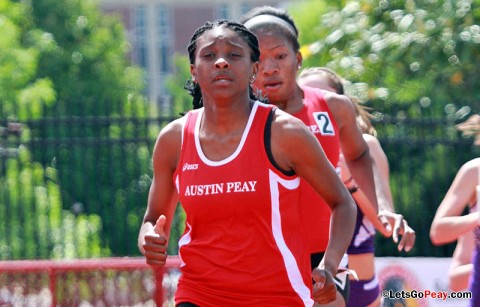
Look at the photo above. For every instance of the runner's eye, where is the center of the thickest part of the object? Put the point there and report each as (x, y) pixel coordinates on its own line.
(208, 55)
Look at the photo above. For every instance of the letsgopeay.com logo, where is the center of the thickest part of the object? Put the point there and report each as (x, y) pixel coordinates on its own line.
(397, 279)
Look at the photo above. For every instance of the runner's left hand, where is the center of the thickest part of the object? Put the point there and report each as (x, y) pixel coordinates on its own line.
(324, 289)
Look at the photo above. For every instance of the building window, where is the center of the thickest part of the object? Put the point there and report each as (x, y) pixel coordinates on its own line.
(163, 38)
(140, 41)
(223, 12)
(141, 36)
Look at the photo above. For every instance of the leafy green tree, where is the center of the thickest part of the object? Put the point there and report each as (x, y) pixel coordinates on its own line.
(65, 76)
(104, 160)
(20, 88)
(418, 57)
(86, 59)
(34, 223)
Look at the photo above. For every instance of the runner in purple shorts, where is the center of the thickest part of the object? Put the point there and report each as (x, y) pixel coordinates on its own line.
(449, 224)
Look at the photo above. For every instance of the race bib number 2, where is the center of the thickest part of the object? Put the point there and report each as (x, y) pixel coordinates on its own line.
(324, 123)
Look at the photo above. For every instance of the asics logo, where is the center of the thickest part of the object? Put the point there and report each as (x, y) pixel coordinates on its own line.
(188, 167)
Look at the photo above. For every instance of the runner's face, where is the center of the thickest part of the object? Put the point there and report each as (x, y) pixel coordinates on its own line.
(223, 65)
(278, 67)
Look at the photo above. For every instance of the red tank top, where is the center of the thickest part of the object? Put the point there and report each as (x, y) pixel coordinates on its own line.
(317, 116)
(242, 245)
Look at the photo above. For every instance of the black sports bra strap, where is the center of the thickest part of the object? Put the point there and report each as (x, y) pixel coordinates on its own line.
(267, 143)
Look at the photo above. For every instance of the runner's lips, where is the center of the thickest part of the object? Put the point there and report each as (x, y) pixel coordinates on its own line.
(222, 77)
(272, 84)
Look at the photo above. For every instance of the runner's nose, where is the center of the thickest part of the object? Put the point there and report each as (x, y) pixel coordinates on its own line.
(221, 63)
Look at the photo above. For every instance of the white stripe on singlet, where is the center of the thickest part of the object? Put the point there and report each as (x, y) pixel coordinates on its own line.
(291, 266)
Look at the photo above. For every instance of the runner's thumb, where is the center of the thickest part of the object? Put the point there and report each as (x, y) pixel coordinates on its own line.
(160, 225)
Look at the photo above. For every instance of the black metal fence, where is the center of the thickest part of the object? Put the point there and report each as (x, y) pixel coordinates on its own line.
(424, 157)
(77, 187)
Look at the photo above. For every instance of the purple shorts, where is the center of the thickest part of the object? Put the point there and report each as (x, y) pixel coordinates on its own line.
(363, 292)
(363, 240)
(474, 283)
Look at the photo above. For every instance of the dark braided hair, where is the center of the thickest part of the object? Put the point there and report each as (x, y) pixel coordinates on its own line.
(192, 87)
